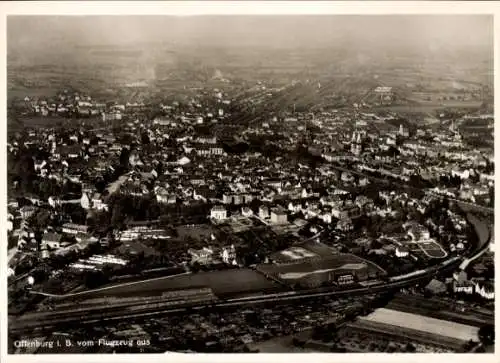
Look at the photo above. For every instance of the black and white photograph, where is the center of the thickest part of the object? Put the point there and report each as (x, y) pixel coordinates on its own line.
(245, 183)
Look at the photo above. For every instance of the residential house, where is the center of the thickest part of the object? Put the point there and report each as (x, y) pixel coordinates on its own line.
(227, 198)
(485, 290)
(418, 232)
(294, 207)
(209, 151)
(27, 211)
(263, 212)
(238, 199)
(246, 212)
(202, 256)
(278, 216)
(85, 201)
(164, 196)
(72, 228)
(466, 287)
(228, 254)
(68, 151)
(363, 202)
(98, 202)
(345, 224)
(402, 251)
(51, 240)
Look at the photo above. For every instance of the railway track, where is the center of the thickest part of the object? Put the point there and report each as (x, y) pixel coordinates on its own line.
(29, 323)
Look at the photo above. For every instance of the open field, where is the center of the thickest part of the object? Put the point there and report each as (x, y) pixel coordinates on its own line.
(303, 251)
(241, 224)
(225, 282)
(34, 122)
(452, 104)
(197, 232)
(421, 108)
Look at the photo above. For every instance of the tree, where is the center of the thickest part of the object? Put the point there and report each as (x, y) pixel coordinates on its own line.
(25, 169)
(124, 157)
(42, 219)
(93, 279)
(410, 348)
(117, 216)
(317, 333)
(196, 267)
(12, 242)
(327, 336)
(469, 345)
(427, 294)
(487, 334)
(145, 138)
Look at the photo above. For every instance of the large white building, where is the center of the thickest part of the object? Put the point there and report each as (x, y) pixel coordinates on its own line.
(218, 213)
(278, 216)
(402, 251)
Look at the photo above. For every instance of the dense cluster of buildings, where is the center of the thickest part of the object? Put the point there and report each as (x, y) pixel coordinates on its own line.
(182, 160)
(186, 167)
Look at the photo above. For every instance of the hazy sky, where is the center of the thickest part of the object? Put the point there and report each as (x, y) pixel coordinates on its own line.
(460, 31)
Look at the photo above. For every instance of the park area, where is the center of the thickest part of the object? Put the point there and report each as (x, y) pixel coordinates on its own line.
(303, 251)
(343, 262)
(427, 249)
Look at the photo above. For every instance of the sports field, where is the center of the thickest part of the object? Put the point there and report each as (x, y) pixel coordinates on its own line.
(319, 248)
(296, 253)
(432, 249)
(304, 251)
(343, 261)
(428, 248)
